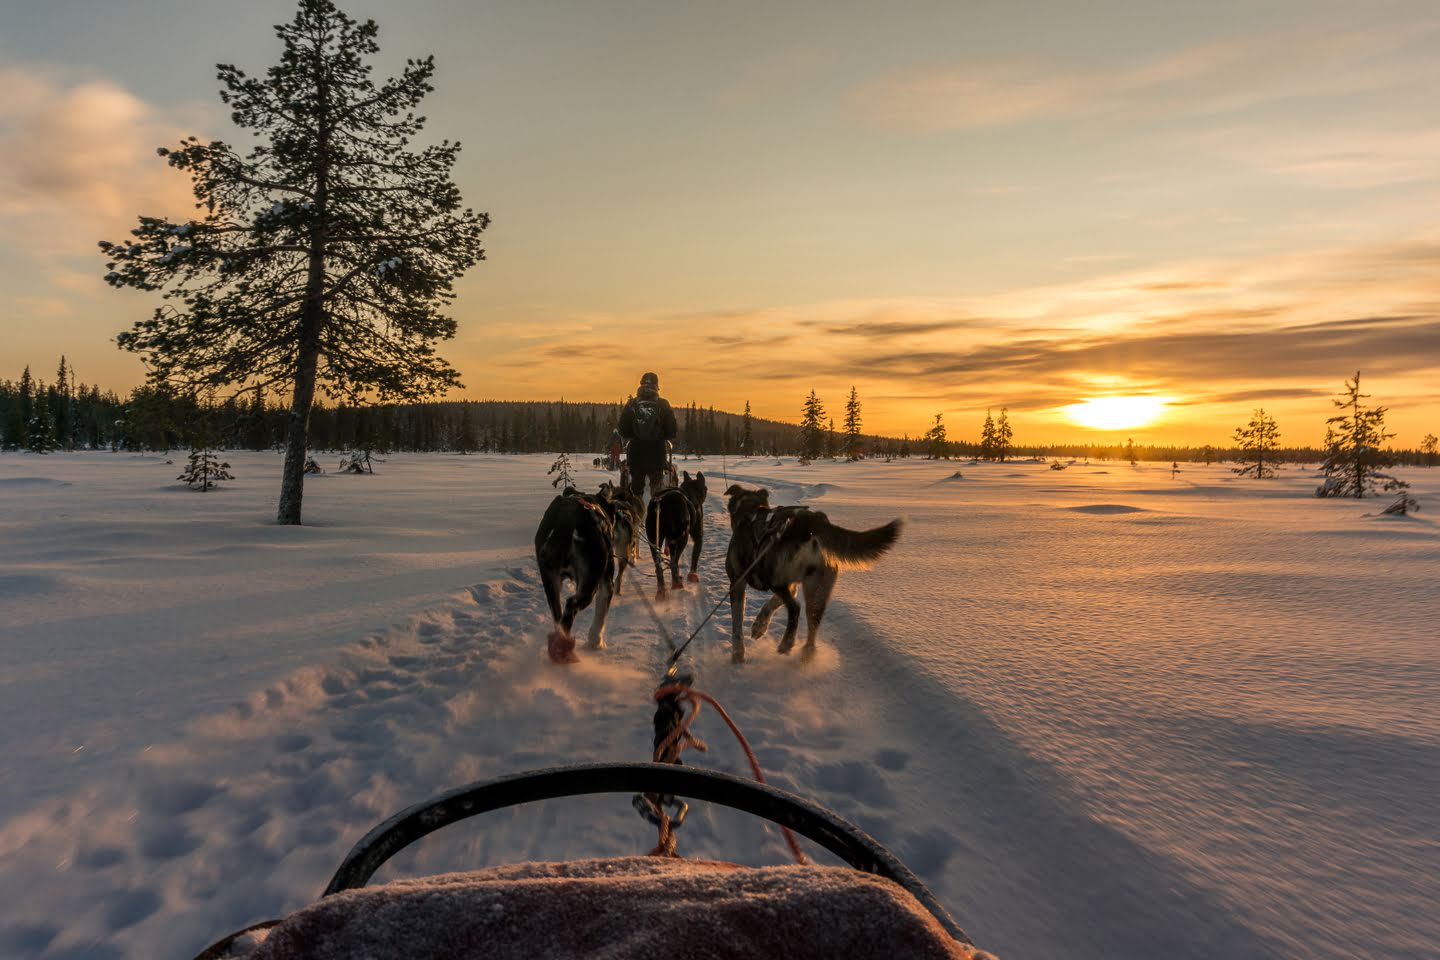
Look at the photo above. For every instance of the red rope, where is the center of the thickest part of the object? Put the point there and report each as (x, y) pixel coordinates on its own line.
(668, 750)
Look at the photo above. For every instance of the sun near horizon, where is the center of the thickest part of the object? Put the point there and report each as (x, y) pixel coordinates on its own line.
(1117, 412)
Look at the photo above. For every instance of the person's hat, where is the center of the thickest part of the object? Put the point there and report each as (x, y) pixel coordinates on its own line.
(650, 379)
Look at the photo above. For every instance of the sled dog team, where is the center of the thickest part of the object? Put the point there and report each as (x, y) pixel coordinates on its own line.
(591, 539)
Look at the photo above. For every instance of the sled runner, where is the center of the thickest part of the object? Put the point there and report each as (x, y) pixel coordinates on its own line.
(646, 906)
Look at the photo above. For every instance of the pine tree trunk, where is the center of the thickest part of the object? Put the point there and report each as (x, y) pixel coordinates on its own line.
(312, 314)
(292, 476)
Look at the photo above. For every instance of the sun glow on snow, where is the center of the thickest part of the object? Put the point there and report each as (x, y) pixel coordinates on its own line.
(1116, 413)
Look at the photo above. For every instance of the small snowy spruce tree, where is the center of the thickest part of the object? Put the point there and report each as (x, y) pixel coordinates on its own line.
(204, 468)
(563, 471)
(324, 253)
(1353, 457)
(1257, 442)
(41, 433)
(747, 434)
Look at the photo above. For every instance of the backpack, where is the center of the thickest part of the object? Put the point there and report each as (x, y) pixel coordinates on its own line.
(648, 420)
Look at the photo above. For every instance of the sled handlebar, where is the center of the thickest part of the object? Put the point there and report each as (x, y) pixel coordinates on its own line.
(809, 819)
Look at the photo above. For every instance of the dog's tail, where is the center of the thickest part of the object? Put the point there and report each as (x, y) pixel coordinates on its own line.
(856, 549)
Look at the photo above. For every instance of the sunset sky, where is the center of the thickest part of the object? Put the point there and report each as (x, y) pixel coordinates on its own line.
(951, 206)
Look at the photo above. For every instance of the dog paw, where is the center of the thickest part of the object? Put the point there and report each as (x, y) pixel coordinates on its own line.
(784, 648)
(678, 585)
(737, 656)
(693, 577)
(660, 592)
(596, 644)
(562, 647)
(758, 630)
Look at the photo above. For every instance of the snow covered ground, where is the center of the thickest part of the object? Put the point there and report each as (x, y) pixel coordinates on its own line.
(1103, 712)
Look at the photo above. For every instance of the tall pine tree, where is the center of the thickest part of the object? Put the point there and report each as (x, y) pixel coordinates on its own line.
(63, 407)
(747, 436)
(852, 426)
(323, 254)
(987, 437)
(1003, 436)
(935, 438)
(812, 428)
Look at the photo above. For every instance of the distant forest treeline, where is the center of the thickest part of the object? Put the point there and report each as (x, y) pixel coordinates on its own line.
(64, 415)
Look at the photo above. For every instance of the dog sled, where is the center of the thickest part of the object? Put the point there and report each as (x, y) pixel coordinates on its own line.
(642, 906)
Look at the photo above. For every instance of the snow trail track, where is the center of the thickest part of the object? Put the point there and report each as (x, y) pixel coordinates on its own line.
(892, 724)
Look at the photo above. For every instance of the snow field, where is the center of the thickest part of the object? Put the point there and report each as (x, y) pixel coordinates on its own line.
(1101, 711)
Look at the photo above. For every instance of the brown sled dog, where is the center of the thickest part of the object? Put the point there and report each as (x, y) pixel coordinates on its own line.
(807, 550)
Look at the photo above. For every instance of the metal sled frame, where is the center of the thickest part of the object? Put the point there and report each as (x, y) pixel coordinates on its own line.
(808, 819)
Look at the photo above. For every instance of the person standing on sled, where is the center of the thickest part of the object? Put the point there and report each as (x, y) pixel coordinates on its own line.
(617, 447)
(648, 425)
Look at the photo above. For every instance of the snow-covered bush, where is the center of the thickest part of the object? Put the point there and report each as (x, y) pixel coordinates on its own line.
(356, 461)
(1403, 505)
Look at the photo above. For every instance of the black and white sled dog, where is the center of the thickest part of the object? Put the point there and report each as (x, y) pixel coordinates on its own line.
(575, 542)
(675, 517)
(801, 547)
(625, 511)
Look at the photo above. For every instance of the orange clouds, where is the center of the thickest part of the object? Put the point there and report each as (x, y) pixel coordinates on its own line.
(78, 162)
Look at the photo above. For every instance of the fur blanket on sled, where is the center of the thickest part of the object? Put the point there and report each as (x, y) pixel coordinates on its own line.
(615, 909)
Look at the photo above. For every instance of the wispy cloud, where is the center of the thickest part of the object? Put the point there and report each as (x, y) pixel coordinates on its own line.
(1216, 77)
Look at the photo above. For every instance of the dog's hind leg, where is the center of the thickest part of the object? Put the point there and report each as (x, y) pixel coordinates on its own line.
(551, 583)
(567, 619)
(818, 587)
(792, 622)
(737, 621)
(694, 577)
(619, 573)
(677, 547)
(652, 526)
(762, 619)
(602, 609)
